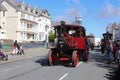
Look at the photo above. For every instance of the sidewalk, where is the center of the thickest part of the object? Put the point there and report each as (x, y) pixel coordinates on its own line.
(29, 53)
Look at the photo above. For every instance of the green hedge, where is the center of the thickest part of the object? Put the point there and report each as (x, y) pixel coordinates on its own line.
(7, 47)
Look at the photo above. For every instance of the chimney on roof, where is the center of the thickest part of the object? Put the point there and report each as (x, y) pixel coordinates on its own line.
(78, 20)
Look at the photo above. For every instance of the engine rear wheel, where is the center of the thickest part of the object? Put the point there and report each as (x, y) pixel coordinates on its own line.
(86, 55)
(75, 58)
(50, 58)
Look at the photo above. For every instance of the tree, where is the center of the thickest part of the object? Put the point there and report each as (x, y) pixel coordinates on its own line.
(92, 35)
(51, 36)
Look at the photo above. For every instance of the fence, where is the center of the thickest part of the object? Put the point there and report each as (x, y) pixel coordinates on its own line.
(9, 47)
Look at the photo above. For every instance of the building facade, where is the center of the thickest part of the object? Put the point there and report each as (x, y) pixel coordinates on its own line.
(20, 21)
(3, 11)
(114, 29)
(44, 25)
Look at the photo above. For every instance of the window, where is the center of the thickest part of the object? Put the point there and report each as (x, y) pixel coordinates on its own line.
(2, 32)
(22, 14)
(39, 20)
(40, 37)
(36, 12)
(23, 6)
(46, 28)
(23, 36)
(29, 16)
(32, 11)
(3, 24)
(34, 18)
(25, 25)
(33, 36)
(4, 13)
(21, 25)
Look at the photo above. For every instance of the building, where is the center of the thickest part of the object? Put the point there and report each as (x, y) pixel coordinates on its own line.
(22, 22)
(97, 41)
(3, 10)
(44, 23)
(114, 29)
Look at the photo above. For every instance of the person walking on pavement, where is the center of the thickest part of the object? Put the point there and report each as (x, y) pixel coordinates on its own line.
(102, 47)
(109, 51)
(118, 51)
(15, 47)
(0, 45)
(114, 51)
(0, 49)
(21, 50)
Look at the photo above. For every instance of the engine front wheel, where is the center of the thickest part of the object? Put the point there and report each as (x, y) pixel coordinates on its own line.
(75, 58)
(50, 58)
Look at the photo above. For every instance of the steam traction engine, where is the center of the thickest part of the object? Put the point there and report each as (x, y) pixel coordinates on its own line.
(105, 42)
(70, 44)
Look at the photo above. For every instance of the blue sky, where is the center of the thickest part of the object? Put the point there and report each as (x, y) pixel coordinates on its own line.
(96, 14)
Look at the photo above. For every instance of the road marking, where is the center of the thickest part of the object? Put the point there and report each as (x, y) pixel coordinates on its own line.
(63, 76)
(8, 69)
(18, 66)
(79, 63)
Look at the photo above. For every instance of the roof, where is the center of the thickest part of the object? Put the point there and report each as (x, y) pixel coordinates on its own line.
(17, 5)
(2, 8)
(12, 3)
(1, 0)
(69, 26)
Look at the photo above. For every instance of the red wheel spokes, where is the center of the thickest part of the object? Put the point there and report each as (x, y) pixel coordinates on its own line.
(50, 58)
(76, 59)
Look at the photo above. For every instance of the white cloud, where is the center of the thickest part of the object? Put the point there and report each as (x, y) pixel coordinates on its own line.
(62, 18)
(109, 11)
(73, 12)
(70, 15)
(76, 1)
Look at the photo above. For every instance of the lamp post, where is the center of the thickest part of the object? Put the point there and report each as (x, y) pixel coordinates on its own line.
(47, 41)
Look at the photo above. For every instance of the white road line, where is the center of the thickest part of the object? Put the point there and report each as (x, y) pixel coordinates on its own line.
(79, 63)
(8, 69)
(18, 66)
(63, 76)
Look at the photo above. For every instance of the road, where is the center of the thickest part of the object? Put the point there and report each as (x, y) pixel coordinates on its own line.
(37, 69)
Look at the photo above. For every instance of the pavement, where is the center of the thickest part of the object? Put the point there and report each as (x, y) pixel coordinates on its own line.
(29, 53)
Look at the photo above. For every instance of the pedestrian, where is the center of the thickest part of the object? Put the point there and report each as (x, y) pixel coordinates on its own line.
(15, 47)
(114, 51)
(92, 46)
(21, 50)
(2, 53)
(0, 49)
(118, 51)
(89, 43)
(102, 47)
(0, 45)
(109, 51)
(118, 57)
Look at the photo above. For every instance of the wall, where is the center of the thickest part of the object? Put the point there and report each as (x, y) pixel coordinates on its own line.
(11, 22)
